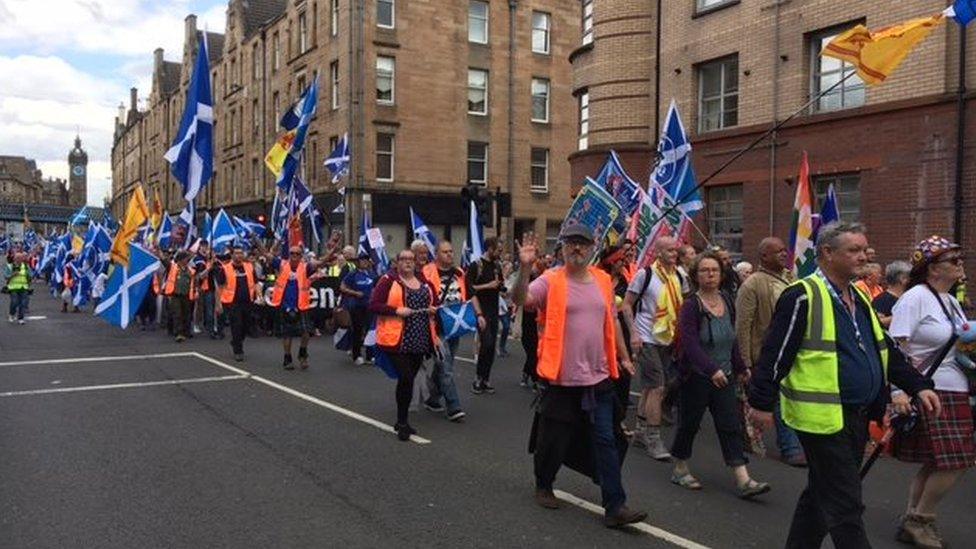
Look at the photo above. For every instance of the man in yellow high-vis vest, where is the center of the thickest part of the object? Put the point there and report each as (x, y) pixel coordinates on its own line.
(828, 362)
(18, 275)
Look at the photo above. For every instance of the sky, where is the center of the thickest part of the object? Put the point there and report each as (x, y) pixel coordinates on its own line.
(66, 65)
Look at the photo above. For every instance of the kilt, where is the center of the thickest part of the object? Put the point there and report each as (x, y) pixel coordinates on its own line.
(945, 442)
(292, 323)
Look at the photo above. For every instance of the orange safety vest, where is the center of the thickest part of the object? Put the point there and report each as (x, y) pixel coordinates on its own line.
(205, 281)
(432, 274)
(553, 333)
(230, 282)
(304, 286)
(170, 285)
(389, 328)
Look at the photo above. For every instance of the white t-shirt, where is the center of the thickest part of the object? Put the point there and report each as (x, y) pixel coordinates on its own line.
(918, 317)
(98, 287)
(644, 319)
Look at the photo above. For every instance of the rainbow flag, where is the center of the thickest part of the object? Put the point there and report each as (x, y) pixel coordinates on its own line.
(803, 254)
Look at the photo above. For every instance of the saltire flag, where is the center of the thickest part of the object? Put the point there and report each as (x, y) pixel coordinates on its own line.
(109, 222)
(127, 287)
(458, 319)
(207, 227)
(50, 252)
(371, 242)
(144, 234)
(81, 217)
(422, 232)
(474, 244)
(81, 290)
(187, 218)
(275, 158)
(802, 251)
(622, 188)
(830, 211)
(316, 220)
(293, 158)
(875, 55)
(279, 214)
(164, 234)
(191, 155)
(380, 359)
(302, 194)
(340, 209)
(250, 228)
(962, 11)
(675, 173)
(223, 233)
(30, 240)
(338, 160)
(137, 213)
(5, 244)
(98, 244)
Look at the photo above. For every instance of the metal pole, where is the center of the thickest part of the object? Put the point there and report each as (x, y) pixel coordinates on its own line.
(960, 139)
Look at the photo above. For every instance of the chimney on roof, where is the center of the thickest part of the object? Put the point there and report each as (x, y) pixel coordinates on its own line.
(157, 59)
(133, 96)
(190, 30)
(121, 112)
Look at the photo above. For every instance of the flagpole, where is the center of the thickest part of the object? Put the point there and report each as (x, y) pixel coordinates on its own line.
(680, 200)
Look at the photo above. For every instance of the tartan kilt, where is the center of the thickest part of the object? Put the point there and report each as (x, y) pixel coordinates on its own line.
(945, 442)
(292, 323)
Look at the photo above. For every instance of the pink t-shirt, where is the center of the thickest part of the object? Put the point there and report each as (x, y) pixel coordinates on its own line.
(584, 361)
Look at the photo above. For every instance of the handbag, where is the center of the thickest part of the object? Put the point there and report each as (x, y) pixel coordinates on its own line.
(341, 317)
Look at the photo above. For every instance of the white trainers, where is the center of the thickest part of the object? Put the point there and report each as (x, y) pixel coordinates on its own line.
(21, 321)
(197, 330)
(360, 361)
(10, 319)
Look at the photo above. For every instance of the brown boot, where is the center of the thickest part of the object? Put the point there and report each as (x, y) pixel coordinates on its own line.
(623, 517)
(919, 530)
(545, 498)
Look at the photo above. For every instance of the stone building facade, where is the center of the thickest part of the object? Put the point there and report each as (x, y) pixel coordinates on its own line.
(737, 67)
(21, 181)
(433, 95)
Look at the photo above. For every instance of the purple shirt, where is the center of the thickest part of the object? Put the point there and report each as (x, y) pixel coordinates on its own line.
(584, 361)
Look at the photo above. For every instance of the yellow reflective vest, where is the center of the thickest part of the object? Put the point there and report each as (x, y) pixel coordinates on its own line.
(810, 393)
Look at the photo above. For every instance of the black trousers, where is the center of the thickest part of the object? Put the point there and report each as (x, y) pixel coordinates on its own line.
(696, 395)
(240, 318)
(530, 343)
(407, 366)
(486, 348)
(358, 317)
(831, 502)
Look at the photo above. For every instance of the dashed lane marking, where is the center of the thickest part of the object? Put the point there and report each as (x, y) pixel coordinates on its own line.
(644, 527)
(76, 360)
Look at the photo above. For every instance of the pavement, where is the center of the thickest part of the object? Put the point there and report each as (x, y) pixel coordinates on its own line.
(117, 438)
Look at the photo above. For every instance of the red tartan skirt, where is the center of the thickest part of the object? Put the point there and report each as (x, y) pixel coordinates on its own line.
(945, 442)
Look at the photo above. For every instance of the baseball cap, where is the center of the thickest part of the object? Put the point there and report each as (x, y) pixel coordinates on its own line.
(577, 230)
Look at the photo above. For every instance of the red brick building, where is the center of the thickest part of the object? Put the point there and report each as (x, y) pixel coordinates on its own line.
(736, 67)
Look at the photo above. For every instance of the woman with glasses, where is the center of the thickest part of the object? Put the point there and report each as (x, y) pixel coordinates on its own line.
(923, 321)
(405, 306)
(710, 361)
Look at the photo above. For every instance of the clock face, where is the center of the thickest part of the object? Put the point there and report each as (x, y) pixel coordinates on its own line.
(78, 170)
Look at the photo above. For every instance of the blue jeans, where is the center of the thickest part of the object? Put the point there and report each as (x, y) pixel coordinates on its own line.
(786, 439)
(442, 379)
(506, 322)
(607, 457)
(18, 303)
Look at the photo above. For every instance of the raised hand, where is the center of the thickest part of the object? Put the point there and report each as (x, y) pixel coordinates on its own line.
(528, 249)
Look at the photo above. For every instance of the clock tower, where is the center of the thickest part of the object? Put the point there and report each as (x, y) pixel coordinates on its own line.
(77, 175)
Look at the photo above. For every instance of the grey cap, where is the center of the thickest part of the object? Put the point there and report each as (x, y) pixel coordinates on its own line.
(578, 230)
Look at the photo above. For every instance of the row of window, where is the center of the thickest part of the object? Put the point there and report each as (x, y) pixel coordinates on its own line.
(477, 162)
(725, 219)
(477, 90)
(478, 23)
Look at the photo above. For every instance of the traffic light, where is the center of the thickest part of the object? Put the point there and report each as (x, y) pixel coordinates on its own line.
(482, 201)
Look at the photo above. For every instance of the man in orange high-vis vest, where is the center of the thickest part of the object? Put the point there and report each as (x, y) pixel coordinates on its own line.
(578, 360)
(450, 288)
(180, 288)
(292, 297)
(236, 290)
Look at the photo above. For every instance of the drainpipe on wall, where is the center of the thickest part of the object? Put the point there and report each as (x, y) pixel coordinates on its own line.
(512, 7)
(960, 139)
(657, 76)
(772, 142)
(264, 112)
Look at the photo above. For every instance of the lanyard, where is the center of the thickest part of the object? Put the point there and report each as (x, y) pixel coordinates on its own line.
(850, 312)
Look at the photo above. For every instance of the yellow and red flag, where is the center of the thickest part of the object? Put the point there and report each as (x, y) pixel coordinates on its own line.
(875, 55)
(136, 214)
(157, 210)
(275, 158)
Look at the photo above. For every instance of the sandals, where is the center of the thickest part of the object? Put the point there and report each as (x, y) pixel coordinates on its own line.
(752, 489)
(686, 481)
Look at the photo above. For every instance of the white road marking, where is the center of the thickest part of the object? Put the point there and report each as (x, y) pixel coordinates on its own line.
(635, 394)
(466, 359)
(95, 359)
(121, 385)
(37, 317)
(640, 526)
(309, 398)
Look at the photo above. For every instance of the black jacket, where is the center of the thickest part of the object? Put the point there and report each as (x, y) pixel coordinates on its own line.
(782, 342)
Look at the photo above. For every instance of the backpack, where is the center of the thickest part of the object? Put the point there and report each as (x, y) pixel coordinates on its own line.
(639, 304)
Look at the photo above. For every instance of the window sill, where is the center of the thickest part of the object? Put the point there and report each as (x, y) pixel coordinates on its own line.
(476, 43)
(539, 190)
(713, 9)
(542, 122)
(478, 114)
(542, 53)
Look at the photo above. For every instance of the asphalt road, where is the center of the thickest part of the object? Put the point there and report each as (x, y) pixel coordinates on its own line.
(176, 445)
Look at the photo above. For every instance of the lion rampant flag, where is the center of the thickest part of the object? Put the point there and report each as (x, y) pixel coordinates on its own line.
(875, 55)
(136, 215)
(275, 159)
